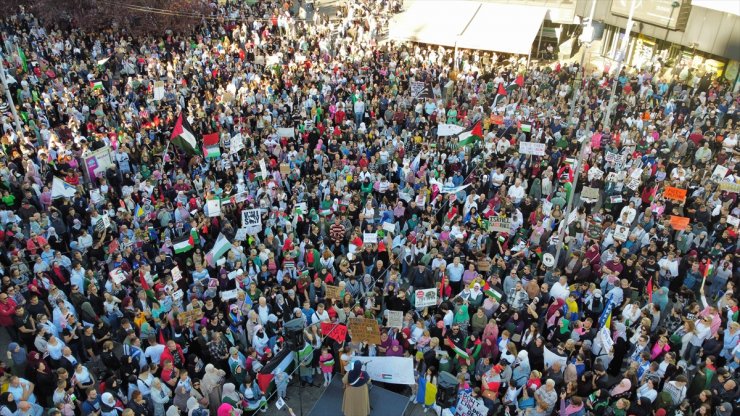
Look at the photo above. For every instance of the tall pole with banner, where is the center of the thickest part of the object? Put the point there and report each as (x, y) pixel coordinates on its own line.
(620, 61)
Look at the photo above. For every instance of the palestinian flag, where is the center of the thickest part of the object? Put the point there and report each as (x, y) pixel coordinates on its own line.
(183, 244)
(461, 353)
(145, 286)
(23, 59)
(493, 294)
(471, 136)
(519, 80)
(220, 248)
(96, 85)
(194, 236)
(183, 137)
(501, 89)
(211, 148)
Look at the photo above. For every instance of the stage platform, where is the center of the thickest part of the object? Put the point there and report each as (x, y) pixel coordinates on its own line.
(382, 401)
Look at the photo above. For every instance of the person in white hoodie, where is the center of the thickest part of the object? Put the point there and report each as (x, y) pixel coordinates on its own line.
(702, 331)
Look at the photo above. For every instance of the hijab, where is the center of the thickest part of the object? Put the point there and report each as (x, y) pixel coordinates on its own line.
(624, 386)
(10, 404)
(211, 379)
(230, 393)
(357, 377)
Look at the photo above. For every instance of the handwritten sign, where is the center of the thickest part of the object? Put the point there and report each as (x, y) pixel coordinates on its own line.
(241, 234)
(425, 297)
(470, 406)
(675, 194)
(395, 319)
(529, 148)
(365, 330)
(634, 183)
(333, 292)
(500, 224)
(679, 223)
(337, 332)
(389, 226)
(251, 217)
(370, 238)
(590, 193)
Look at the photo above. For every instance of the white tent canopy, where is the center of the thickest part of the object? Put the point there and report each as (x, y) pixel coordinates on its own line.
(494, 27)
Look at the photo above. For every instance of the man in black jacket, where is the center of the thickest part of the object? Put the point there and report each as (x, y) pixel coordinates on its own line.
(421, 278)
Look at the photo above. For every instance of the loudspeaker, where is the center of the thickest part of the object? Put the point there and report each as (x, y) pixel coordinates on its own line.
(447, 390)
(293, 334)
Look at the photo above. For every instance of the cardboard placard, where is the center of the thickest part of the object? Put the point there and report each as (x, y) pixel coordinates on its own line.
(675, 194)
(389, 226)
(395, 319)
(500, 224)
(227, 295)
(284, 169)
(213, 207)
(117, 275)
(176, 274)
(333, 292)
(679, 223)
(186, 317)
(529, 148)
(370, 238)
(719, 173)
(241, 234)
(590, 193)
(425, 297)
(470, 406)
(365, 330)
(337, 332)
(251, 217)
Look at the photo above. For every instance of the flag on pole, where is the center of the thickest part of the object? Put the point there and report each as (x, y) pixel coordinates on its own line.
(138, 211)
(211, 148)
(194, 236)
(458, 351)
(519, 80)
(145, 287)
(606, 315)
(501, 89)
(96, 85)
(183, 137)
(24, 60)
(183, 244)
(220, 248)
(471, 136)
(61, 189)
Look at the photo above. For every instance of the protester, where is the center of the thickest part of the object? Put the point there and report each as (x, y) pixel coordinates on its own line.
(158, 238)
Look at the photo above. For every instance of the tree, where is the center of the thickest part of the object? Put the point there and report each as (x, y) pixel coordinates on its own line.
(137, 17)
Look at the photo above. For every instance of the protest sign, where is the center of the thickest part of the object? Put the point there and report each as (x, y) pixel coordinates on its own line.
(117, 275)
(176, 274)
(337, 332)
(420, 90)
(236, 143)
(595, 173)
(251, 217)
(263, 169)
(227, 295)
(590, 193)
(500, 224)
(615, 199)
(285, 132)
(187, 317)
(425, 297)
(621, 233)
(734, 221)
(370, 238)
(679, 223)
(395, 319)
(389, 226)
(213, 207)
(729, 186)
(333, 292)
(284, 169)
(365, 330)
(241, 234)
(606, 339)
(177, 295)
(158, 90)
(675, 194)
(634, 183)
(394, 370)
(719, 173)
(470, 406)
(551, 357)
(497, 119)
(528, 148)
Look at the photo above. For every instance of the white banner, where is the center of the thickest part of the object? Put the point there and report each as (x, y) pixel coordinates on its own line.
(394, 370)
(285, 132)
(449, 129)
(470, 406)
(251, 217)
(213, 207)
(236, 143)
(529, 148)
(425, 297)
(158, 90)
(551, 357)
(445, 189)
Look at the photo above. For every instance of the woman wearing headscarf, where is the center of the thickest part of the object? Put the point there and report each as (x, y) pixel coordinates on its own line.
(211, 385)
(619, 349)
(231, 396)
(356, 396)
(522, 369)
(8, 406)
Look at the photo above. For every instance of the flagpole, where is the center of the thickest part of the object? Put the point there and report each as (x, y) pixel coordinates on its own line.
(166, 148)
(11, 103)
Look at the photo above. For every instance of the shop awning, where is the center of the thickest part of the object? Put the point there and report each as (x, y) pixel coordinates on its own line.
(494, 27)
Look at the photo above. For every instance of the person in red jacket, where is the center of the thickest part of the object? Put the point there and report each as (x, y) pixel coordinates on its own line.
(7, 312)
(173, 353)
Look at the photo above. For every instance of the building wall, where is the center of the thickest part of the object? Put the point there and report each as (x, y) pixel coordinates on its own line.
(707, 30)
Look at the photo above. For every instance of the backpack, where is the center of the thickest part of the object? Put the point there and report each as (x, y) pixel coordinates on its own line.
(597, 305)
(200, 412)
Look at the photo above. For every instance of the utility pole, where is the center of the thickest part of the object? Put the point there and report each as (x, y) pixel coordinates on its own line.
(588, 34)
(620, 62)
(9, 96)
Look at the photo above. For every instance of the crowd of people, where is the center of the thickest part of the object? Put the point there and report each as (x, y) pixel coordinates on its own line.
(114, 282)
